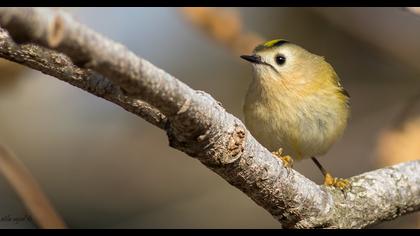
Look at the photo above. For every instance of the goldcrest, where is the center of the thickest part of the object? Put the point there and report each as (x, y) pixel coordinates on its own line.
(295, 103)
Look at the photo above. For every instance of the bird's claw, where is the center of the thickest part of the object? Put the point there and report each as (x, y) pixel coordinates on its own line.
(342, 184)
(278, 152)
(287, 160)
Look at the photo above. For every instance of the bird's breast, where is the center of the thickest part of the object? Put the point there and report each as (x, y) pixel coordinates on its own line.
(302, 126)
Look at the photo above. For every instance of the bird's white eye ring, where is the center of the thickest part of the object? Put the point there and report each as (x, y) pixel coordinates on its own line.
(280, 59)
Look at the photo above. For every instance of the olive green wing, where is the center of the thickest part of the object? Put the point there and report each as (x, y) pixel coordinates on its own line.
(342, 90)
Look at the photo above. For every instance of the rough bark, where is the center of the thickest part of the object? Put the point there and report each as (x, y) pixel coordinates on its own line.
(199, 126)
(61, 67)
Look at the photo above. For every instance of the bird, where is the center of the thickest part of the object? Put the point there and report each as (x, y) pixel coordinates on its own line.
(295, 104)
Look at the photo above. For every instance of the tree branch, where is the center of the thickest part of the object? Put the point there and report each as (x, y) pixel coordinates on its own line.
(414, 10)
(224, 26)
(61, 67)
(197, 125)
(29, 191)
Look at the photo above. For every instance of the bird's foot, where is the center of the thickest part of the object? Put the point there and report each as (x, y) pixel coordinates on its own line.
(342, 184)
(287, 160)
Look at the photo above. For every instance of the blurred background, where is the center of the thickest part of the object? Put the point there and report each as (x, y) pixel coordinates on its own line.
(103, 167)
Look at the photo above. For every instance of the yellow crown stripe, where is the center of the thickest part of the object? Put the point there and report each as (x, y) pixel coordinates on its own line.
(271, 42)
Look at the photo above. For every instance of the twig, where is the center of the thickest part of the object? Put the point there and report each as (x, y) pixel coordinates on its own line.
(404, 114)
(414, 10)
(199, 126)
(224, 26)
(29, 191)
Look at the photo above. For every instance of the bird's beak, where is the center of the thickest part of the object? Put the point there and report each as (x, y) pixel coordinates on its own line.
(257, 60)
(252, 58)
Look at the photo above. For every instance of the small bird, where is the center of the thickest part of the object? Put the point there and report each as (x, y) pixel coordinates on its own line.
(295, 104)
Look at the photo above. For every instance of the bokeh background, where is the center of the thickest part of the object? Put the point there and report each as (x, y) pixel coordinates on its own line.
(103, 167)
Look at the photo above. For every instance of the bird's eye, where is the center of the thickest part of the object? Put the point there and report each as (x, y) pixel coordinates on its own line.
(280, 59)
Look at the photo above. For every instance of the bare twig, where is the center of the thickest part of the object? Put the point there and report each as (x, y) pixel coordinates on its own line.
(400, 141)
(224, 26)
(414, 10)
(29, 191)
(399, 144)
(197, 125)
(407, 110)
(402, 144)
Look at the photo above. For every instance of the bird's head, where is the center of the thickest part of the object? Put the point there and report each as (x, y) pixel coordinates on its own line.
(280, 61)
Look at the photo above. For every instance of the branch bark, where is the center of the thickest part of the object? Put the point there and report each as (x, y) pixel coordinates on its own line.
(61, 67)
(198, 125)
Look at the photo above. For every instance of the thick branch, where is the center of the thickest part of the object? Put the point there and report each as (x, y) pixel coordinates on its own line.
(29, 191)
(61, 67)
(199, 126)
